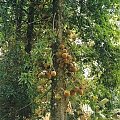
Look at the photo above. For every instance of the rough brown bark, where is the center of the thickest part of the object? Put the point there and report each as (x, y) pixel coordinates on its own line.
(58, 105)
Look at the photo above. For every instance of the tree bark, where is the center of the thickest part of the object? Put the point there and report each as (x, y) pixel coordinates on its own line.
(30, 27)
(58, 105)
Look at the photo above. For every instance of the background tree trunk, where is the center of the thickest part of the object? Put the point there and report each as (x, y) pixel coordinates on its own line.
(30, 27)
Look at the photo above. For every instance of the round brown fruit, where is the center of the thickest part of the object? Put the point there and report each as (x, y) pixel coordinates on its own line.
(66, 93)
(58, 60)
(64, 55)
(40, 89)
(46, 66)
(72, 92)
(81, 87)
(76, 89)
(59, 53)
(48, 74)
(74, 69)
(61, 65)
(80, 92)
(53, 73)
(69, 57)
(41, 75)
(71, 65)
(62, 46)
(66, 61)
(64, 50)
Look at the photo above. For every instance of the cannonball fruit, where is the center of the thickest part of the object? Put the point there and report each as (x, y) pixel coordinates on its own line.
(64, 55)
(64, 50)
(48, 74)
(76, 89)
(69, 57)
(62, 46)
(59, 53)
(73, 69)
(46, 66)
(66, 61)
(80, 92)
(66, 93)
(40, 75)
(40, 89)
(53, 73)
(71, 65)
(72, 92)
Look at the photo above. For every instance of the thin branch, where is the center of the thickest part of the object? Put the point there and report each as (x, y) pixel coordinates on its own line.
(54, 21)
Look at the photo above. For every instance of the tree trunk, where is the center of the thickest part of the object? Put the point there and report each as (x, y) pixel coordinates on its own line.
(58, 100)
(30, 27)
